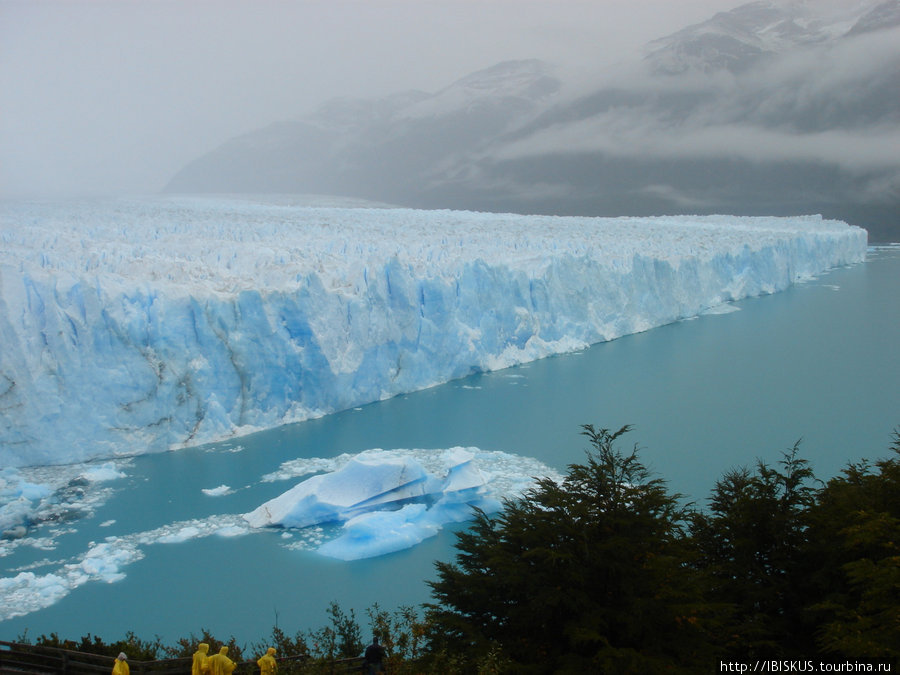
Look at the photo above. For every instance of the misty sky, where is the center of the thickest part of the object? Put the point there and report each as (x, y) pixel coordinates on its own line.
(111, 96)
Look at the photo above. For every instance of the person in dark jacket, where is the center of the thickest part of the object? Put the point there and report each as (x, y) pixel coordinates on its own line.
(374, 657)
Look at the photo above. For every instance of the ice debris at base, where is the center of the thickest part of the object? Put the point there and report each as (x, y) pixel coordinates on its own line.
(391, 500)
(458, 477)
(30, 496)
(139, 325)
(105, 561)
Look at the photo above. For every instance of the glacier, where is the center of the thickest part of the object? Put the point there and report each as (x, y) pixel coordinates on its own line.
(143, 324)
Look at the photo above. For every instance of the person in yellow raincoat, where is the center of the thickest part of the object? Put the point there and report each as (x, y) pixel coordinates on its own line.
(220, 664)
(201, 660)
(120, 667)
(267, 665)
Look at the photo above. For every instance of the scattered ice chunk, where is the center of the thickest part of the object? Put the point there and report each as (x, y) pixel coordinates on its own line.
(217, 491)
(396, 498)
(231, 531)
(106, 561)
(305, 466)
(724, 308)
(27, 592)
(13, 513)
(30, 491)
(16, 532)
(104, 472)
(33, 495)
(179, 536)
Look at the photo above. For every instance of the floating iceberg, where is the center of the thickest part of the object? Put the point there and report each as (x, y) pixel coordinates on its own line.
(140, 325)
(386, 500)
(337, 495)
(217, 491)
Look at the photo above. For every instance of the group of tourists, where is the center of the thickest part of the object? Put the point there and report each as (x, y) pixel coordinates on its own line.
(220, 664)
(203, 664)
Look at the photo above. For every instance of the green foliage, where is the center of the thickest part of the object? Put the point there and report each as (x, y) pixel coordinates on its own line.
(492, 661)
(341, 639)
(284, 644)
(607, 572)
(855, 533)
(583, 576)
(186, 646)
(750, 544)
(135, 648)
(401, 633)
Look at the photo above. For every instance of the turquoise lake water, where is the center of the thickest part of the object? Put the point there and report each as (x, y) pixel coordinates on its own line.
(818, 362)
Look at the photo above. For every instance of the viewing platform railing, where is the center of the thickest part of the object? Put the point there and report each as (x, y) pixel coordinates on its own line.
(25, 658)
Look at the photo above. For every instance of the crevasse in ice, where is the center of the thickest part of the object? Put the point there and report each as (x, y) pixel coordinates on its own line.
(139, 325)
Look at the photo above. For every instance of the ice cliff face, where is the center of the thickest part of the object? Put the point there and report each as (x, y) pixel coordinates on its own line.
(134, 326)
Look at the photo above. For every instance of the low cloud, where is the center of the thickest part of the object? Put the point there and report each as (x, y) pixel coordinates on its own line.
(833, 105)
(623, 133)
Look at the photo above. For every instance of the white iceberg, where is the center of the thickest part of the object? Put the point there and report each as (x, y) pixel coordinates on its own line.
(369, 481)
(392, 500)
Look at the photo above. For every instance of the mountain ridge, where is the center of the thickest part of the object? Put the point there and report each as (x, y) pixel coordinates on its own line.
(718, 109)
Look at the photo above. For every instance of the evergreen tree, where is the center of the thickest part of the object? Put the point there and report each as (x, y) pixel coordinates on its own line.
(855, 540)
(750, 543)
(583, 576)
(342, 639)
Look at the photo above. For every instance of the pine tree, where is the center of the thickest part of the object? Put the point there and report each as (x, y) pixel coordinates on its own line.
(855, 539)
(750, 542)
(583, 576)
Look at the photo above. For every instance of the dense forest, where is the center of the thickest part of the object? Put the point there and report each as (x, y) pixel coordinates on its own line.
(609, 572)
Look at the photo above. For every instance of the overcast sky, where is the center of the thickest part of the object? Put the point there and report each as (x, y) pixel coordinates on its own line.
(108, 96)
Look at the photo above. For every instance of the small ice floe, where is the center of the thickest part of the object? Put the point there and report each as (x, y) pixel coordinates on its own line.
(180, 535)
(724, 308)
(33, 496)
(28, 591)
(103, 473)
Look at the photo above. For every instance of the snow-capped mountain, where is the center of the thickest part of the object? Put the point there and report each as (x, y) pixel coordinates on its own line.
(375, 148)
(770, 108)
(738, 39)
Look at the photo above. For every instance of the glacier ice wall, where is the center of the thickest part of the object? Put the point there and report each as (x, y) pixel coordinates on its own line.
(139, 325)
